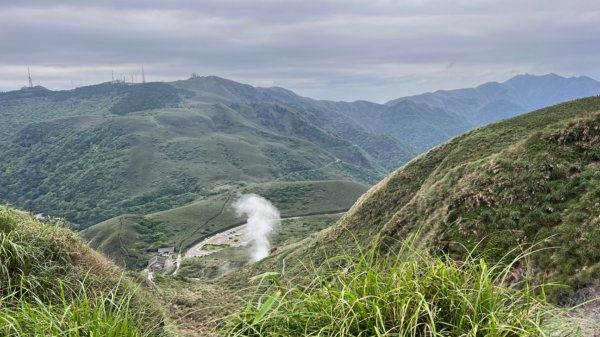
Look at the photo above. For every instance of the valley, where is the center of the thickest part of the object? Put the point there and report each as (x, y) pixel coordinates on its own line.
(529, 186)
(134, 176)
(110, 153)
(131, 238)
(493, 191)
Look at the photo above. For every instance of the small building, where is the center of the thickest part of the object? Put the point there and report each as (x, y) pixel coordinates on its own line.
(156, 263)
(166, 251)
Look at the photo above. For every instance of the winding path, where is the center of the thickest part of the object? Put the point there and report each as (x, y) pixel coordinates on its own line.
(207, 221)
(310, 170)
(196, 250)
(177, 264)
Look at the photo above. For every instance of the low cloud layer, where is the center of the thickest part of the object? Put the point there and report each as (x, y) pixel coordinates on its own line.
(334, 49)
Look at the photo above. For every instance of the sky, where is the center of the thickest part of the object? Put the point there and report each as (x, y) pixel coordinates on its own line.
(349, 50)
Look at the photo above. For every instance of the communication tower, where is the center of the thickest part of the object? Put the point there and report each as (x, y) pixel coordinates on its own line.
(30, 81)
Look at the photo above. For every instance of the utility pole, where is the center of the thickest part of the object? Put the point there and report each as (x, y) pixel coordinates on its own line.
(30, 81)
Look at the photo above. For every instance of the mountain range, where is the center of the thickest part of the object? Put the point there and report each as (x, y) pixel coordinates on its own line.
(495, 101)
(96, 153)
(99, 152)
(490, 214)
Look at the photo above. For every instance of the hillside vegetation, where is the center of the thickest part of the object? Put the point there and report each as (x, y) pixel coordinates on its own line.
(407, 294)
(132, 238)
(531, 181)
(470, 206)
(500, 222)
(97, 152)
(52, 284)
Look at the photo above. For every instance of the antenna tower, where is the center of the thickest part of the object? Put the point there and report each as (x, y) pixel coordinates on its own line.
(143, 75)
(29, 75)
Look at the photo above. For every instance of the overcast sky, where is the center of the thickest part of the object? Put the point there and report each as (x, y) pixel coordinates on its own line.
(331, 49)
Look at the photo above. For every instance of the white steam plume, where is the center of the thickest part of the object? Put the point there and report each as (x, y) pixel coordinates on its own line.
(262, 217)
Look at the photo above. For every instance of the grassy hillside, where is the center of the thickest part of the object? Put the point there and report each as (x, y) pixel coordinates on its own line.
(415, 126)
(52, 284)
(19, 108)
(90, 168)
(531, 181)
(96, 152)
(528, 183)
(408, 294)
(418, 125)
(132, 238)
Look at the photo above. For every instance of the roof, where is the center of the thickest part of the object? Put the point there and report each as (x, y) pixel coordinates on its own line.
(166, 250)
(156, 260)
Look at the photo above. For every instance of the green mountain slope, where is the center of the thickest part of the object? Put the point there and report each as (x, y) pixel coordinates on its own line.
(333, 117)
(111, 149)
(100, 151)
(417, 126)
(131, 239)
(531, 181)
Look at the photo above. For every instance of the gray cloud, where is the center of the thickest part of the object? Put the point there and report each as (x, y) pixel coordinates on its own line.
(335, 49)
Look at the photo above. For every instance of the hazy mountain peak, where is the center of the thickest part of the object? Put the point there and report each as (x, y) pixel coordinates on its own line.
(493, 101)
(527, 80)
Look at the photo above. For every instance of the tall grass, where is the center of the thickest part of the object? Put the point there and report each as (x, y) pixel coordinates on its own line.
(412, 294)
(96, 314)
(53, 285)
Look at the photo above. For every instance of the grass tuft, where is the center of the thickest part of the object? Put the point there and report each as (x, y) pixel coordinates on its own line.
(108, 313)
(411, 294)
(51, 284)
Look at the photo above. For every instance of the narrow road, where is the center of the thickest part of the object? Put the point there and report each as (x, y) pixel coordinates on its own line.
(235, 230)
(177, 264)
(207, 221)
(310, 170)
(309, 215)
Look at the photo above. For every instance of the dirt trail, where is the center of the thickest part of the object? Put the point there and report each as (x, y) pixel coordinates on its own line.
(177, 264)
(207, 221)
(310, 170)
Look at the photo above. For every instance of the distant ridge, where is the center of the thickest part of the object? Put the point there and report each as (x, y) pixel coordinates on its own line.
(494, 101)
